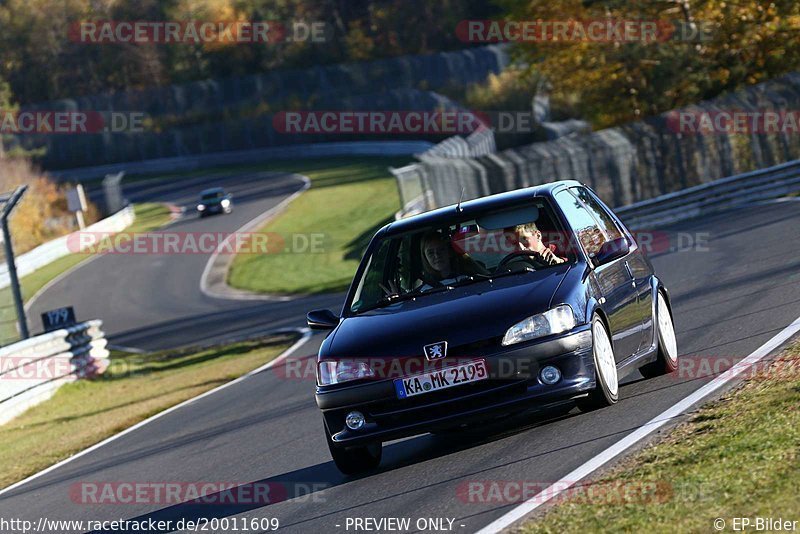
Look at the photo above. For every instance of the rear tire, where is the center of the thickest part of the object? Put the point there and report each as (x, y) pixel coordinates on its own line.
(667, 358)
(606, 391)
(355, 460)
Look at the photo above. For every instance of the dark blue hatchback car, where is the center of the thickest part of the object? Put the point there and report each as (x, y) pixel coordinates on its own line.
(214, 200)
(526, 299)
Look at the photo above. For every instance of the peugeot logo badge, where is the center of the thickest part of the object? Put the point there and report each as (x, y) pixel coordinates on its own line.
(436, 351)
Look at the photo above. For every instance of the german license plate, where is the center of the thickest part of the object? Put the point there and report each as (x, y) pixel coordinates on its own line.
(441, 379)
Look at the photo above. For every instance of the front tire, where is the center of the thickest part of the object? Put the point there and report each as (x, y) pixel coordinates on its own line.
(355, 460)
(667, 359)
(606, 391)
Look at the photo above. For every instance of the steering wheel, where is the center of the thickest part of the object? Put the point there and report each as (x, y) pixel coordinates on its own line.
(528, 254)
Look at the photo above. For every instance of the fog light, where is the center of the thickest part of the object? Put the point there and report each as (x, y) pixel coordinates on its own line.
(550, 375)
(354, 420)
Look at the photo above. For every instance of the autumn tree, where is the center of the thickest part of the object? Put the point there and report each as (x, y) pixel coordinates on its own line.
(41, 59)
(704, 48)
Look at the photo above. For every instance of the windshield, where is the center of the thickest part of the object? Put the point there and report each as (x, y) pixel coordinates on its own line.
(211, 195)
(498, 243)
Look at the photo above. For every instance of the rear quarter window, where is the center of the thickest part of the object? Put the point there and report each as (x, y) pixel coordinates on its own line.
(607, 224)
(588, 232)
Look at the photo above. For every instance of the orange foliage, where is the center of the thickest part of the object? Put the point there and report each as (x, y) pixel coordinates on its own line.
(42, 214)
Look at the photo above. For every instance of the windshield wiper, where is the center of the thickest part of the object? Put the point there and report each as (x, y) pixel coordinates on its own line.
(473, 278)
(526, 269)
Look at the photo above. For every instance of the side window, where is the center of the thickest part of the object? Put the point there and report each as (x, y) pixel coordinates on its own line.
(607, 224)
(583, 224)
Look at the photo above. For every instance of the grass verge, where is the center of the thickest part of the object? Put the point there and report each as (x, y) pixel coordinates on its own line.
(149, 216)
(349, 199)
(736, 457)
(133, 388)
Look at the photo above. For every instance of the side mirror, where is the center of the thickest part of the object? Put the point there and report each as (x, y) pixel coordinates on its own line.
(612, 250)
(322, 320)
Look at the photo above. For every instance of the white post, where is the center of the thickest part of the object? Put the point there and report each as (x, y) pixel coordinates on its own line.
(76, 201)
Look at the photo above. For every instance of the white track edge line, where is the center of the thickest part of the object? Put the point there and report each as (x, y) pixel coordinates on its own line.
(305, 336)
(648, 428)
(252, 223)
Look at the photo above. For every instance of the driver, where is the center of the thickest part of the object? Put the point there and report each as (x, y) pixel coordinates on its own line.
(527, 238)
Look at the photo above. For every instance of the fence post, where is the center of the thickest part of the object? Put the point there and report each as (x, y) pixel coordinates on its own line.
(8, 202)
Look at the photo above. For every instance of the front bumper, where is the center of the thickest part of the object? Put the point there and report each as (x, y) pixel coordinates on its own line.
(514, 385)
(213, 208)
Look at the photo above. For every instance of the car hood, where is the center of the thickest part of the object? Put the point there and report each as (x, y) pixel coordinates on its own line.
(461, 316)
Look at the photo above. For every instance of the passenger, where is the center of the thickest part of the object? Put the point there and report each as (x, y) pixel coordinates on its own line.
(441, 265)
(528, 238)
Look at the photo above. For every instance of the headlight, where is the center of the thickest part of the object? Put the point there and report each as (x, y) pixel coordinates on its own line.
(201, 207)
(336, 372)
(559, 319)
(225, 202)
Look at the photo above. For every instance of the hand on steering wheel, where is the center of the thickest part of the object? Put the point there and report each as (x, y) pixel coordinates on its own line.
(393, 289)
(536, 258)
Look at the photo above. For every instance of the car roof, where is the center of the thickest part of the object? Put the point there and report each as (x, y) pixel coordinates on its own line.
(445, 215)
(211, 190)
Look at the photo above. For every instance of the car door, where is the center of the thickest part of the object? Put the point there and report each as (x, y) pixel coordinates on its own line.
(642, 272)
(636, 261)
(616, 283)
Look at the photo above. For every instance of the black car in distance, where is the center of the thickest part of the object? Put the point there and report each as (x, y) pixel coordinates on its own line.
(515, 301)
(214, 200)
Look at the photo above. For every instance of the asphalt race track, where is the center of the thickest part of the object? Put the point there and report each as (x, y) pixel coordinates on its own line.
(732, 291)
(150, 301)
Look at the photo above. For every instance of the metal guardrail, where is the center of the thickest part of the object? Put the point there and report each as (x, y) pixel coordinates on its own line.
(242, 157)
(64, 245)
(481, 142)
(411, 189)
(738, 190)
(741, 189)
(411, 179)
(33, 369)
